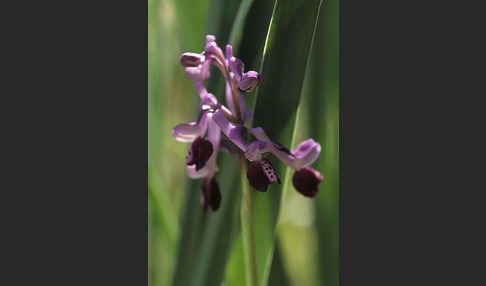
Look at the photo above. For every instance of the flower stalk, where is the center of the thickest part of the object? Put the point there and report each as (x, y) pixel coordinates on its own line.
(247, 228)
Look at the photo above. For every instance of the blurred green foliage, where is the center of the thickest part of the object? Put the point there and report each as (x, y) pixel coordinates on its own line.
(307, 248)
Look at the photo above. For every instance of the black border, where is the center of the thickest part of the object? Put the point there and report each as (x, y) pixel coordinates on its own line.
(84, 164)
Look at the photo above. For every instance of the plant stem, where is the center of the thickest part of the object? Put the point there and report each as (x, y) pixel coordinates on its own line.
(247, 229)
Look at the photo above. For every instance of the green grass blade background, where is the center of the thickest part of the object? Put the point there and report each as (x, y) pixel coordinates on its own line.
(324, 111)
(286, 54)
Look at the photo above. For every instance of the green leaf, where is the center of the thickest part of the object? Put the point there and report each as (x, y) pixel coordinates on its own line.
(206, 236)
(324, 115)
(278, 276)
(234, 273)
(286, 54)
(215, 243)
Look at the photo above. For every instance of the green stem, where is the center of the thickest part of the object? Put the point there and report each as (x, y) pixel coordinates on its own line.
(247, 229)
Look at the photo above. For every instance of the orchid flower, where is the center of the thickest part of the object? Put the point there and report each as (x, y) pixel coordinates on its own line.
(220, 126)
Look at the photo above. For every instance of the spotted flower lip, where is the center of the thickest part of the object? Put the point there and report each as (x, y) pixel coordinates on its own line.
(260, 174)
(200, 152)
(209, 168)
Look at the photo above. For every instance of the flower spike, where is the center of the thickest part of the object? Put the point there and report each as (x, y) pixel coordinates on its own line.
(215, 119)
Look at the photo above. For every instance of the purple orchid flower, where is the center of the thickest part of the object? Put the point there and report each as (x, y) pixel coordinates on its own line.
(220, 126)
(305, 179)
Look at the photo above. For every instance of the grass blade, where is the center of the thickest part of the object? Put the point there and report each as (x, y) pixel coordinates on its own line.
(324, 104)
(286, 53)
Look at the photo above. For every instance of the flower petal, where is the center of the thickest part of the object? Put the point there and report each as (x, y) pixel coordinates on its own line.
(276, 149)
(243, 111)
(249, 81)
(235, 133)
(214, 133)
(205, 73)
(260, 134)
(306, 153)
(194, 73)
(305, 181)
(229, 98)
(200, 72)
(199, 153)
(212, 48)
(210, 38)
(210, 194)
(254, 150)
(191, 59)
(192, 173)
(208, 100)
(237, 67)
(229, 52)
(188, 132)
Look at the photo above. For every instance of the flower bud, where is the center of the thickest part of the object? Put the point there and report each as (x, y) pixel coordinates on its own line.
(237, 67)
(212, 48)
(229, 52)
(199, 153)
(306, 180)
(191, 59)
(210, 38)
(249, 81)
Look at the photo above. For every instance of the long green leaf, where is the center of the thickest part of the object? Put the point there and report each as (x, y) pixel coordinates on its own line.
(162, 218)
(278, 276)
(286, 55)
(324, 107)
(215, 243)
